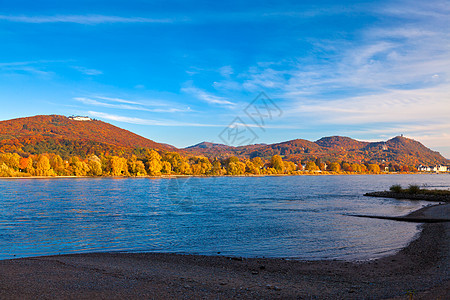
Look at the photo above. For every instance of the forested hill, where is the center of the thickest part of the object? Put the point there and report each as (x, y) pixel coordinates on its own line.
(65, 136)
(398, 150)
(69, 137)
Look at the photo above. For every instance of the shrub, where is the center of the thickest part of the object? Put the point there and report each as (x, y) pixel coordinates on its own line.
(413, 189)
(396, 188)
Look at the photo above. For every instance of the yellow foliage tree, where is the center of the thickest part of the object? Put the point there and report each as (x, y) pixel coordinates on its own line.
(154, 164)
(166, 168)
(43, 167)
(118, 166)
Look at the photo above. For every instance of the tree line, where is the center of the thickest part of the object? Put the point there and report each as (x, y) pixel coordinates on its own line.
(153, 163)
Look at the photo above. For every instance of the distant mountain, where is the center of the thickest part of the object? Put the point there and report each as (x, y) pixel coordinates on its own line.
(340, 142)
(398, 150)
(69, 136)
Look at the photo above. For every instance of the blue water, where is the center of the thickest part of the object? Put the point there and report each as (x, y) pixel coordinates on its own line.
(297, 217)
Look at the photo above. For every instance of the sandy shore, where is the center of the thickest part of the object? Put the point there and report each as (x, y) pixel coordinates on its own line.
(421, 268)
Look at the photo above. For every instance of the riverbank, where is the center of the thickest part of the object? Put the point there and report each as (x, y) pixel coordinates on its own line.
(439, 196)
(303, 173)
(421, 268)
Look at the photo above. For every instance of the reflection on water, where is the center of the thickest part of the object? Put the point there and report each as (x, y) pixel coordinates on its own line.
(299, 217)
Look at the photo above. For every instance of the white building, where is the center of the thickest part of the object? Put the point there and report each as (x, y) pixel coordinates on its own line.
(437, 168)
(441, 168)
(79, 118)
(424, 168)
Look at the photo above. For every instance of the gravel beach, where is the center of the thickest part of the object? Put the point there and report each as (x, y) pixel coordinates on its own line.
(422, 268)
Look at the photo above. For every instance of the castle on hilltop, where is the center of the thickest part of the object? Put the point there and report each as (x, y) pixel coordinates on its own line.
(80, 118)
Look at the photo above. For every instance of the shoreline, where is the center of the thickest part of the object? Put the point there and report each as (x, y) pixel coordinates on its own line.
(211, 176)
(421, 268)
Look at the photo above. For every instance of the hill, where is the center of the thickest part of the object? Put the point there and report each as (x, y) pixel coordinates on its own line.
(398, 150)
(67, 136)
(71, 137)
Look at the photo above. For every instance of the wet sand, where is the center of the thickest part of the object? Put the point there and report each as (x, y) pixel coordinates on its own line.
(422, 268)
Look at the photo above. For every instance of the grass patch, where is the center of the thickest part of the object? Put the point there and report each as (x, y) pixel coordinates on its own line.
(415, 189)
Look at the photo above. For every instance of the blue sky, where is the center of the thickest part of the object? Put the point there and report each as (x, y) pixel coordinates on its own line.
(180, 72)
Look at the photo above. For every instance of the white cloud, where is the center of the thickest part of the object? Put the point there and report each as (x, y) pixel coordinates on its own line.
(86, 71)
(127, 105)
(226, 71)
(207, 97)
(118, 100)
(81, 19)
(140, 121)
(420, 105)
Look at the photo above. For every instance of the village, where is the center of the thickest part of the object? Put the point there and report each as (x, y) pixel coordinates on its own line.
(435, 169)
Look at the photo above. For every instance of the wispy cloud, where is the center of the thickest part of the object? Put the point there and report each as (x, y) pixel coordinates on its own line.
(207, 97)
(30, 67)
(81, 19)
(86, 71)
(418, 105)
(150, 122)
(126, 104)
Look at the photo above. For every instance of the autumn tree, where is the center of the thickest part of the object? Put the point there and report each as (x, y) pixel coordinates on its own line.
(175, 161)
(11, 160)
(200, 165)
(43, 167)
(374, 168)
(58, 165)
(236, 168)
(78, 167)
(347, 167)
(258, 162)
(277, 163)
(136, 167)
(216, 168)
(311, 166)
(356, 168)
(185, 168)
(289, 167)
(6, 171)
(250, 168)
(335, 167)
(118, 166)
(154, 164)
(166, 168)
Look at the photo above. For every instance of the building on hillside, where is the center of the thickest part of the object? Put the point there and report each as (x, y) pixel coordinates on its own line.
(441, 168)
(437, 168)
(424, 168)
(80, 118)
